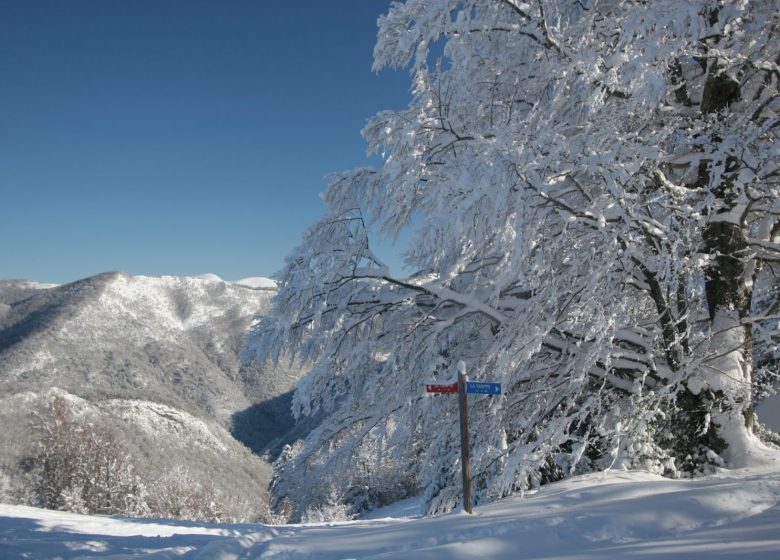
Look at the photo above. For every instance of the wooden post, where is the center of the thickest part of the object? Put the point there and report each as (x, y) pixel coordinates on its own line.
(462, 386)
(465, 452)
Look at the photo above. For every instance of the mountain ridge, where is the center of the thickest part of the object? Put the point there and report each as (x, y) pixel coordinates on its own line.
(116, 332)
(126, 348)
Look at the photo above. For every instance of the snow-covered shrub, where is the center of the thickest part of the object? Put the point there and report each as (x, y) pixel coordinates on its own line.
(769, 437)
(356, 479)
(326, 511)
(176, 495)
(81, 468)
(75, 465)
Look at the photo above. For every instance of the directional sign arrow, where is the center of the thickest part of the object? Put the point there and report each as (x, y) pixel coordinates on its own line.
(440, 388)
(482, 388)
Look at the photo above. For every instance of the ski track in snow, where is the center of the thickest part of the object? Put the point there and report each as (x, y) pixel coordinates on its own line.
(607, 515)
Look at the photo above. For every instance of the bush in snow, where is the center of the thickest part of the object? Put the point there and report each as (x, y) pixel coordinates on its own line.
(81, 468)
(77, 466)
(176, 495)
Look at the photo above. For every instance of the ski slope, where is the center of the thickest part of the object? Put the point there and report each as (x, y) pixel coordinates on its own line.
(733, 514)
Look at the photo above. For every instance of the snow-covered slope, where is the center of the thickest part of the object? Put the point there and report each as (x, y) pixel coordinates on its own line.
(160, 441)
(169, 339)
(257, 283)
(158, 361)
(613, 515)
(12, 291)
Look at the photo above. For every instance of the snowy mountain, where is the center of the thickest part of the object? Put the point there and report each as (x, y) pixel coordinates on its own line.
(157, 361)
(167, 339)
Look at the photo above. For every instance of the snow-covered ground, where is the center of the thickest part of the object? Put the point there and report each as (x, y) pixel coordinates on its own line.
(734, 514)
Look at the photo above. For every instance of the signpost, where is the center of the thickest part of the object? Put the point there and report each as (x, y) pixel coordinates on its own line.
(463, 386)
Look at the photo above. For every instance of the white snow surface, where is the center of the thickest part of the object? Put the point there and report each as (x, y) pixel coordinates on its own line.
(254, 282)
(257, 283)
(34, 285)
(209, 277)
(618, 514)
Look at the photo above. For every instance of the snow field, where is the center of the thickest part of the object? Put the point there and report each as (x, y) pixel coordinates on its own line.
(606, 515)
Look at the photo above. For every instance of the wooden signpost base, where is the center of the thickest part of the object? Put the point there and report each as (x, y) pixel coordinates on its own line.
(465, 448)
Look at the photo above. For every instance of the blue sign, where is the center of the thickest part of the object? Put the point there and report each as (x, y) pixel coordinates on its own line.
(483, 388)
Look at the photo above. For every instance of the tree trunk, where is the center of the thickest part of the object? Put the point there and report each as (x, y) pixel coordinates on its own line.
(726, 373)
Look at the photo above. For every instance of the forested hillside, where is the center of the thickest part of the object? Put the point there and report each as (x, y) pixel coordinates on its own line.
(145, 375)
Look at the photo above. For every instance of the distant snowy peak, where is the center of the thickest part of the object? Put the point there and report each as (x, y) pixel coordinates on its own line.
(211, 277)
(16, 290)
(27, 284)
(254, 282)
(257, 283)
(33, 285)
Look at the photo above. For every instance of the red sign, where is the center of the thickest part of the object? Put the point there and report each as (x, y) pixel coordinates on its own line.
(436, 388)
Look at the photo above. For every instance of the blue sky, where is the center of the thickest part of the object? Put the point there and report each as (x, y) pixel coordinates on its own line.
(177, 136)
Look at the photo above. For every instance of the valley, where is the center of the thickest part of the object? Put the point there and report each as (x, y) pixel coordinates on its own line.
(160, 364)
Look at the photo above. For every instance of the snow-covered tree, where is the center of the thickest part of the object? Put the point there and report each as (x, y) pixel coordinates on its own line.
(593, 189)
(82, 468)
(77, 465)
